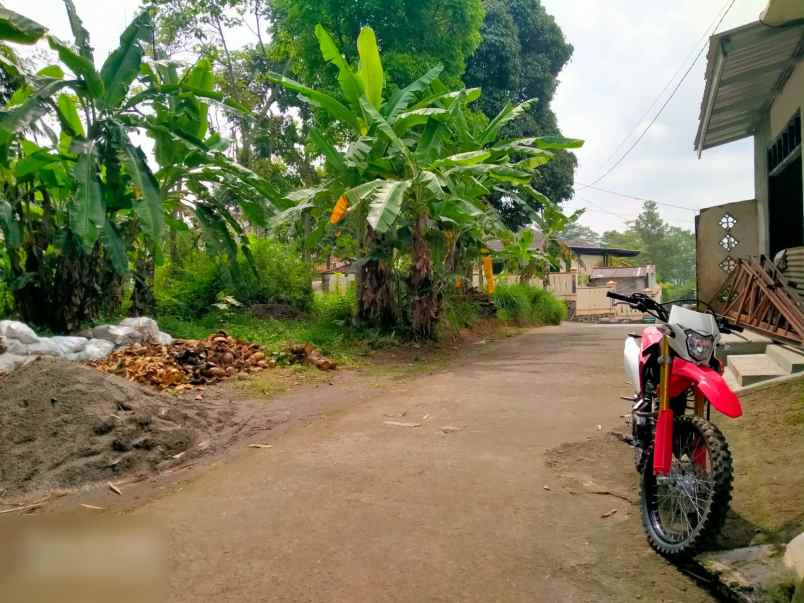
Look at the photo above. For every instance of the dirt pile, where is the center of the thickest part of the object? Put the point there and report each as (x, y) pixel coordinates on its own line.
(63, 425)
(185, 363)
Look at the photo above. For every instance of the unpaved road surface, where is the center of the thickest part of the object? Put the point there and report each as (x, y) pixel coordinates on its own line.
(497, 496)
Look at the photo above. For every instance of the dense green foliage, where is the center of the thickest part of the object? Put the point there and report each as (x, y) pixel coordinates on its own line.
(417, 176)
(275, 275)
(522, 53)
(253, 147)
(415, 35)
(81, 205)
(527, 305)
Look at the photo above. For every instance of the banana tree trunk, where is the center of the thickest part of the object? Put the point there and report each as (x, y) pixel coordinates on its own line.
(425, 301)
(143, 302)
(375, 296)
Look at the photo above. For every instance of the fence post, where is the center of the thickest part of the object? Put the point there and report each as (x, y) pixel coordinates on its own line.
(612, 285)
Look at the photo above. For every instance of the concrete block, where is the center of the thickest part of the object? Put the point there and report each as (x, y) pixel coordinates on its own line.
(754, 368)
(790, 360)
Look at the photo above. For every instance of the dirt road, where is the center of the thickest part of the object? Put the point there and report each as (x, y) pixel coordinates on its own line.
(497, 496)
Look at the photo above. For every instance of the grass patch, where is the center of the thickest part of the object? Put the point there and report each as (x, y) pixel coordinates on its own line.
(281, 380)
(767, 444)
(525, 305)
(329, 327)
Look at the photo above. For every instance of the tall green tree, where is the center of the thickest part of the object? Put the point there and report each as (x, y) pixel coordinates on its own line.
(522, 53)
(580, 232)
(415, 35)
(417, 175)
(670, 248)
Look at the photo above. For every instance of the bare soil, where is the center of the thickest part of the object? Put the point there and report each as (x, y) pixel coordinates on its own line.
(767, 444)
(63, 426)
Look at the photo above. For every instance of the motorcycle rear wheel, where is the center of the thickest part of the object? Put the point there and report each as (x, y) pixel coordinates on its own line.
(686, 509)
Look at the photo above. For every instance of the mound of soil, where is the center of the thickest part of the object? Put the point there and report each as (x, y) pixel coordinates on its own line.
(63, 425)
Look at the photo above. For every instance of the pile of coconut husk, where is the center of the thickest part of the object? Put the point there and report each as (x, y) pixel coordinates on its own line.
(307, 353)
(185, 363)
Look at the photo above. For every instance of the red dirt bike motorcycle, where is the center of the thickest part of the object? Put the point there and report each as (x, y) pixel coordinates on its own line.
(683, 458)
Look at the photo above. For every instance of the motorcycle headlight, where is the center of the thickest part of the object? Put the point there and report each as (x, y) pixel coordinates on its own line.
(700, 346)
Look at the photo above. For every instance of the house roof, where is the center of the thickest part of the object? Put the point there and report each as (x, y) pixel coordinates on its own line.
(747, 68)
(780, 12)
(614, 273)
(578, 246)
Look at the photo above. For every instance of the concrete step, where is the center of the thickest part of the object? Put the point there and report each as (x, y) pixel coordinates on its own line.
(731, 379)
(788, 359)
(754, 368)
(746, 342)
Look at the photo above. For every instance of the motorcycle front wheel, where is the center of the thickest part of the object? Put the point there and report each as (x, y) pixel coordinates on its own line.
(687, 508)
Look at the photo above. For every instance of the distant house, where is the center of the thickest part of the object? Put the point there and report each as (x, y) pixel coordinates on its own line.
(626, 280)
(585, 255)
(588, 255)
(591, 275)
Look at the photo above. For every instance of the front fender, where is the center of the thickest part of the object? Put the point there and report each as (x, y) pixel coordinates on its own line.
(708, 382)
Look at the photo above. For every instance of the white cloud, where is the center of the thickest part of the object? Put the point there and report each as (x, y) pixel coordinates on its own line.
(625, 53)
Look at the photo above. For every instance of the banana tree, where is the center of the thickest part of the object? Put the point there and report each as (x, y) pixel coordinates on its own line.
(418, 171)
(112, 205)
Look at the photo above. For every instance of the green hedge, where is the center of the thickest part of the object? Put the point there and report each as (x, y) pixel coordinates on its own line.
(191, 288)
(527, 305)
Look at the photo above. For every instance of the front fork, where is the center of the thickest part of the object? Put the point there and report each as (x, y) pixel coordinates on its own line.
(663, 442)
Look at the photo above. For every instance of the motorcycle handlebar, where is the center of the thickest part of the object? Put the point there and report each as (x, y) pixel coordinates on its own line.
(617, 296)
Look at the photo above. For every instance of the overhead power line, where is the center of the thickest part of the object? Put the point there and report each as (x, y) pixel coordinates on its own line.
(711, 27)
(637, 198)
(664, 106)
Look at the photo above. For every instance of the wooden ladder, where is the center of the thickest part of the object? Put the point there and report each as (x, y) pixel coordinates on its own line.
(756, 295)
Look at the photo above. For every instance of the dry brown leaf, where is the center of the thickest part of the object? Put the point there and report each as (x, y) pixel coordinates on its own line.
(402, 424)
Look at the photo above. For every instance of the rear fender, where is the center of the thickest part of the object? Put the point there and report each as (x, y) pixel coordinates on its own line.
(708, 382)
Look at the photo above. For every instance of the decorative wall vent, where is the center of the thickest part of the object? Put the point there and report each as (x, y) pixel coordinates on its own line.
(728, 265)
(729, 242)
(727, 222)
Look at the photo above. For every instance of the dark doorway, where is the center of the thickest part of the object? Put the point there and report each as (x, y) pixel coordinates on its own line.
(786, 204)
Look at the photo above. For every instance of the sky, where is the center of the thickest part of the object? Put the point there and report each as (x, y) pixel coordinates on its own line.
(626, 52)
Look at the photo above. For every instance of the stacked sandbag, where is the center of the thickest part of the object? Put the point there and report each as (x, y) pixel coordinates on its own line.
(19, 342)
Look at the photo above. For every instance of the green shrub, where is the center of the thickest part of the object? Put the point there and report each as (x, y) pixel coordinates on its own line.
(527, 305)
(336, 308)
(191, 289)
(6, 299)
(546, 308)
(460, 313)
(282, 276)
(513, 303)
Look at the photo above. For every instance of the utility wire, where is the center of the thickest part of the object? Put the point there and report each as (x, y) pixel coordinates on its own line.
(600, 209)
(636, 198)
(663, 107)
(669, 83)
